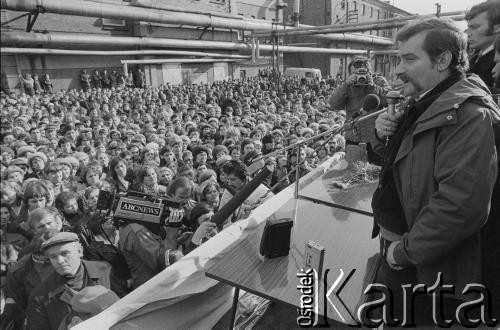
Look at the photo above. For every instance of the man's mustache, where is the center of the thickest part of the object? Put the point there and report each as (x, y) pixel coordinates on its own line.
(401, 79)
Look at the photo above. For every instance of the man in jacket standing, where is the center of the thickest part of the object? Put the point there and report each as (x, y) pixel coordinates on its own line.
(482, 26)
(50, 303)
(440, 166)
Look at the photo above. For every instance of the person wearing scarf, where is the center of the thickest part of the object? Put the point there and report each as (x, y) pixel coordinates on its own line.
(440, 165)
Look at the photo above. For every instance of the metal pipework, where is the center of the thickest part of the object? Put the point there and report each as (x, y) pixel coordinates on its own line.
(42, 51)
(155, 4)
(55, 40)
(106, 10)
(180, 60)
(362, 26)
(296, 13)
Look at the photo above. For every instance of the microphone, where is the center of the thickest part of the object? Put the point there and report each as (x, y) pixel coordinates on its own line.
(392, 97)
(371, 102)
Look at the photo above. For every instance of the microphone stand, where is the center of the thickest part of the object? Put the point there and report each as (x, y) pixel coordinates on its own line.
(334, 131)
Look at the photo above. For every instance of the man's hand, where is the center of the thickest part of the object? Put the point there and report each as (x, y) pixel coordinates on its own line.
(205, 230)
(175, 217)
(387, 124)
(390, 256)
(351, 80)
(369, 80)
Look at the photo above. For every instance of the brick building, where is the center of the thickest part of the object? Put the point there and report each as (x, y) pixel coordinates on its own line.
(338, 12)
(192, 41)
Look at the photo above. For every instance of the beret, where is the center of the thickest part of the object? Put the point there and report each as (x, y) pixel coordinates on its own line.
(93, 299)
(59, 239)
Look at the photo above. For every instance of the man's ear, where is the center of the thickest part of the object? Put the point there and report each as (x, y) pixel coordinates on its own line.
(444, 60)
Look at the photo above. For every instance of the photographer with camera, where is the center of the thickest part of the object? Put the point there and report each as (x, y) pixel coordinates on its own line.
(361, 82)
(351, 95)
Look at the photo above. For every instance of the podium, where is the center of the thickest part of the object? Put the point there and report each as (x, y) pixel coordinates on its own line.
(339, 220)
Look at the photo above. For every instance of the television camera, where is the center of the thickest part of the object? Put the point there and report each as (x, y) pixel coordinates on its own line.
(135, 207)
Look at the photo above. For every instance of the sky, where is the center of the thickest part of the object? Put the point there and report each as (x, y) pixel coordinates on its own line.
(423, 7)
(429, 7)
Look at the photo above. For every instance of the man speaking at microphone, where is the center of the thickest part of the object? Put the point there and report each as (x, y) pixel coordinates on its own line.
(440, 166)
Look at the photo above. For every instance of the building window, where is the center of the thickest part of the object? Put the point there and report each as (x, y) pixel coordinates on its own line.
(378, 13)
(371, 11)
(364, 10)
(221, 2)
(354, 5)
(113, 24)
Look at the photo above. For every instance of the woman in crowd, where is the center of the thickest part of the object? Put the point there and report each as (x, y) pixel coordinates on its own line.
(92, 176)
(117, 174)
(74, 218)
(201, 229)
(149, 127)
(35, 196)
(53, 173)
(147, 182)
(210, 194)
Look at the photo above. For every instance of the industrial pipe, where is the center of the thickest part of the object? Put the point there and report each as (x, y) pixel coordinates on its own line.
(42, 51)
(155, 4)
(361, 26)
(296, 13)
(384, 52)
(65, 39)
(180, 60)
(106, 10)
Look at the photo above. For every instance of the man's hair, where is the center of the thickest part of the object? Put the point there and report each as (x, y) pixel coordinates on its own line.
(441, 35)
(35, 189)
(177, 183)
(237, 168)
(63, 197)
(491, 8)
(37, 215)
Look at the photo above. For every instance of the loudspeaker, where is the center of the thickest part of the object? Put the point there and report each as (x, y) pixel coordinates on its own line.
(275, 241)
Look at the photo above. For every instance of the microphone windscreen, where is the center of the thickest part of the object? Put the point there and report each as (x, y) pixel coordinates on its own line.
(371, 102)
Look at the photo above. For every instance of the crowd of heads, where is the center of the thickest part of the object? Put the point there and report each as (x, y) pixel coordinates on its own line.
(59, 149)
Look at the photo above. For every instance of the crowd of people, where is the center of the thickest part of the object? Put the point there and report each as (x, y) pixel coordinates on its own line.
(194, 144)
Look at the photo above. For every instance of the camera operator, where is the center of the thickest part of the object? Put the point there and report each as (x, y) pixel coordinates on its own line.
(351, 95)
(145, 251)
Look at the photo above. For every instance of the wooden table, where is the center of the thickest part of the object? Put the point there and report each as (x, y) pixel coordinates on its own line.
(356, 199)
(346, 236)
